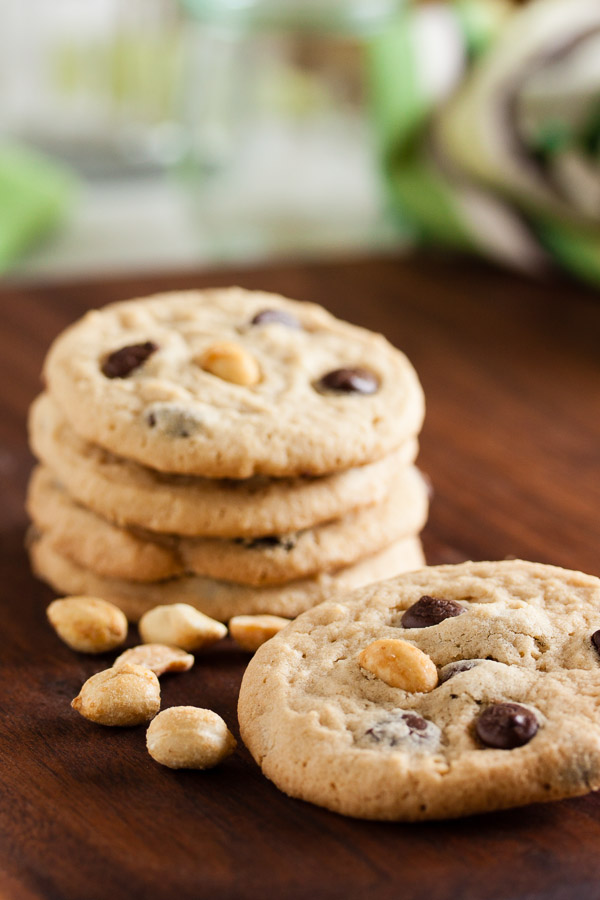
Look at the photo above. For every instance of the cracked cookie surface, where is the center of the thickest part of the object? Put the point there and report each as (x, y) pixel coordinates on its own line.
(198, 383)
(514, 718)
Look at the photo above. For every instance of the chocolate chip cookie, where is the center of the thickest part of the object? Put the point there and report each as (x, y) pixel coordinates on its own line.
(218, 599)
(229, 383)
(136, 555)
(128, 493)
(443, 692)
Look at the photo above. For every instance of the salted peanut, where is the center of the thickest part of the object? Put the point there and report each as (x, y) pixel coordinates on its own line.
(230, 362)
(252, 631)
(187, 737)
(88, 624)
(129, 695)
(400, 665)
(180, 625)
(159, 657)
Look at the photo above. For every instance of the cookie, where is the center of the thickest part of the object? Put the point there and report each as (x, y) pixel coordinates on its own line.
(513, 716)
(91, 541)
(128, 493)
(229, 383)
(218, 599)
(115, 552)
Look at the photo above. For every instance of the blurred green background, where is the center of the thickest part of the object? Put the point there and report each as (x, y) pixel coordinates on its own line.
(156, 134)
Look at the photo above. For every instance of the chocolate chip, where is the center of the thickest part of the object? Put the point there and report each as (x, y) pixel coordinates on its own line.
(415, 723)
(506, 725)
(348, 381)
(173, 421)
(430, 611)
(123, 362)
(596, 641)
(452, 669)
(269, 540)
(401, 727)
(276, 316)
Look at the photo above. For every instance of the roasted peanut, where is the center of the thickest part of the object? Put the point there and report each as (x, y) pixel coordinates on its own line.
(180, 625)
(230, 362)
(186, 737)
(400, 665)
(88, 624)
(129, 695)
(158, 657)
(252, 631)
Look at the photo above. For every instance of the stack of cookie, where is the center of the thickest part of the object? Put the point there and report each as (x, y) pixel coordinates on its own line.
(230, 449)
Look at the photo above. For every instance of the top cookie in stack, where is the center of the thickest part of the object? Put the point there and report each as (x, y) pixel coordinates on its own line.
(235, 449)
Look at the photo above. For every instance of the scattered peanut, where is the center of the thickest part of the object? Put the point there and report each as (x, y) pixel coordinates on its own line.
(129, 695)
(400, 665)
(230, 362)
(88, 624)
(186, 737)
(180, 625)
(158, 657)
(252, 631)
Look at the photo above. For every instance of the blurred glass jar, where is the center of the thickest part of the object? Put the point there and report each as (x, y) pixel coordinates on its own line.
(94, 82)
(279, 149)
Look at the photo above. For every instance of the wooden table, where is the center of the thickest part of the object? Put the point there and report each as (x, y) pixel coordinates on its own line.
(511, 370)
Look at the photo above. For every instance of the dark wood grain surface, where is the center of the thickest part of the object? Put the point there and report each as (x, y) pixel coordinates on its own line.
(511, 371)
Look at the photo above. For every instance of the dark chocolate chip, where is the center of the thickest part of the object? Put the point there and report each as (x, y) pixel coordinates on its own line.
(123, 362)
(276, 316)
(348, 381)
(506, 725)
(396, 728)
(596, 641)
(173, 421)
(269, 540)
(381, 732)
(414, 722)
(452, 669)
(430, 611)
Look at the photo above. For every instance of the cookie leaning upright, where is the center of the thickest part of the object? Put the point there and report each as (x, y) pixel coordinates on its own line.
(231, 383)
(442, 692)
